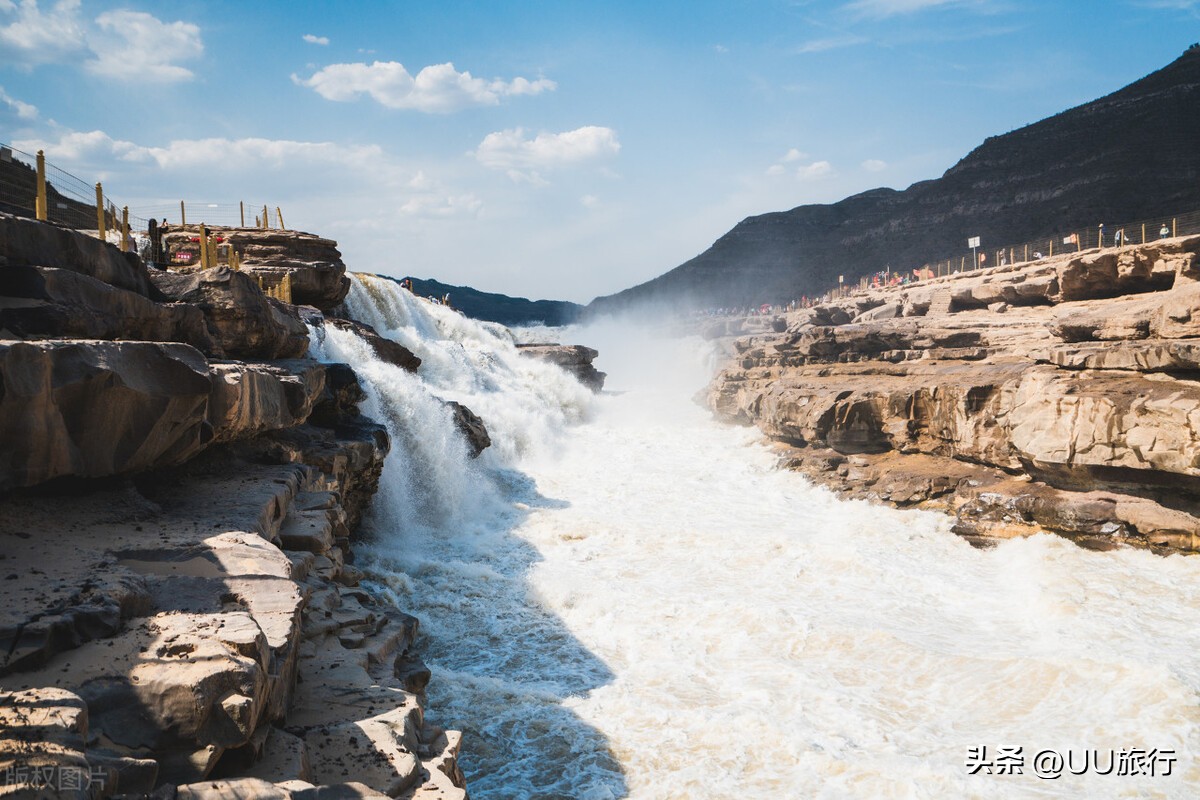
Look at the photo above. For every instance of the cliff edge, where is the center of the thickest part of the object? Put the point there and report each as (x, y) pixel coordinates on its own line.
(1059, 395)
(180, 489)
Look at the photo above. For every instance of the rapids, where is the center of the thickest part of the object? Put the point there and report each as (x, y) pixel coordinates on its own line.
(621, 598)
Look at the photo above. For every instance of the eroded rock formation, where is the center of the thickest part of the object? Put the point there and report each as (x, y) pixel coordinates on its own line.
(179, 615)
(1062, 395)
(313, 264)
(574, 358)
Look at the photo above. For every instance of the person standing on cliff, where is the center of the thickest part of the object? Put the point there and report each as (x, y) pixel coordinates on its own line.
(1164, 232)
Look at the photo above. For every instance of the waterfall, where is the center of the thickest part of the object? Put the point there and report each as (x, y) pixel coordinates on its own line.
(622, 598)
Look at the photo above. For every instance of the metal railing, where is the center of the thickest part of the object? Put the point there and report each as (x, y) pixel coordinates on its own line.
(984, 257)
(30, 186)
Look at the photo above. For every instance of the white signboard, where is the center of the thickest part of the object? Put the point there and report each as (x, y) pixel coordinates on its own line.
(973, 241)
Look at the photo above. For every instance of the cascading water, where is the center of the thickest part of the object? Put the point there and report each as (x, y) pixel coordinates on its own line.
(622, 598)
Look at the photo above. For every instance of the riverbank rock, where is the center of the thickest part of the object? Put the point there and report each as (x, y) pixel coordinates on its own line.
(472, 428)
(387, 350)
(178, 617)
(1072, 412)
(243, 322)
(95, 408)
(48, 302)
(27, 242)
(575, 359)
(313, 264)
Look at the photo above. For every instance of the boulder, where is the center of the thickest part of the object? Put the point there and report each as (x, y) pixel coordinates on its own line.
(243, 322)
(385, 349)
(339, 399)
(312, 263)
(575, 359)
(51, 302)
(251, 398)
(27, 242)
(91, 408)
(471, 427)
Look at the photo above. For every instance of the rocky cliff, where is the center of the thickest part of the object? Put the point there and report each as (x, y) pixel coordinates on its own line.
(179, 492)
(1059, 395)
(1128, 156)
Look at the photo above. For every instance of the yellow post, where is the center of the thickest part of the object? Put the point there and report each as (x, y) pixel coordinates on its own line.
(125, 229)
(1078, 243)
(266, 219)
(40, 202)
(1143, 233)
(280, 214)
(1051, 247)
(1026, 252)
(182, 214)
(285, 288)
(242, 208)
(203, 247)
(100, 211)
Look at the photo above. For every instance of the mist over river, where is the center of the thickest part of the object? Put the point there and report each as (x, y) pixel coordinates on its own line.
(622, 598)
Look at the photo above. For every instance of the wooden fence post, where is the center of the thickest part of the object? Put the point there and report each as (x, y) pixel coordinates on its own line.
(279, 213)
(125, 229)
(266, 219)
(242, 208)
(182, 214)
(100, 211)
(203, 247)
(40, 201)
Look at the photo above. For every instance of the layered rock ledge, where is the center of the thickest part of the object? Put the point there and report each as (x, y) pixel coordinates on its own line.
(574, 358)
(1059, 395)
(179, 492)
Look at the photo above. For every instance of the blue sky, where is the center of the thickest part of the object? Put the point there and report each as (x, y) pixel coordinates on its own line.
(547, 149)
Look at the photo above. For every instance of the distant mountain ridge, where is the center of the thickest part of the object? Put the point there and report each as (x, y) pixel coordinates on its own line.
(1132, 154)
(494, 307)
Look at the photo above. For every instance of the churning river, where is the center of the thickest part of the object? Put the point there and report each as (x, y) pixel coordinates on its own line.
(622, 598)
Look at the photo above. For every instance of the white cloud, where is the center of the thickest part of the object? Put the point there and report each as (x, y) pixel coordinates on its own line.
(314, 39)
(439, 88)
(833, 43)
(303, 174)
(776, 169)
(891, 8)
(589, 201)
(793, 155)
(817, 169)
(510, 149)
(433, 205)
(124, 44)
(24, 110)
(133, 45)
(532, 178)
(206, 154)
(38, 37)
(874, 165)
(721, 49)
